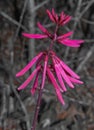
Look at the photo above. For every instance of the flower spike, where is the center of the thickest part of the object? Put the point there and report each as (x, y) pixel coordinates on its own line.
(47, 64)
(63, 73)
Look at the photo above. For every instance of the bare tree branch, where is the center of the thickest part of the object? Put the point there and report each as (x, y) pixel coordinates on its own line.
(88, 55)
(21, 19)
(12, 20)
(31, 27)
(74, 25)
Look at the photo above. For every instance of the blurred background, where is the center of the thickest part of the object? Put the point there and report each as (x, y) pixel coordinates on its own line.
(17, 107)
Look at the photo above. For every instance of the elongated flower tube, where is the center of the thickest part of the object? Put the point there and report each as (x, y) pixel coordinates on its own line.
(66, 68)
(24, 85)
(35, 84)
(64, 39)
(65, 73)
(29, 65)
(55, 84)
(44, 71)
(59, 76)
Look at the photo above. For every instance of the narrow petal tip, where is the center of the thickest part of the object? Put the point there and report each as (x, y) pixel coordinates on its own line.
(19, 89)
(18, 75)
(81, 41)
(81, 82)
(24, 34)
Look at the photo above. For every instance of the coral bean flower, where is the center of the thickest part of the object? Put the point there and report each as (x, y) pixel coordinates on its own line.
(57, 71)
(48, 65)
(59, 20)
(63, 39)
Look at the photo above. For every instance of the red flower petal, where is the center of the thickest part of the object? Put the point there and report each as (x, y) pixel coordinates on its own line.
(56, 86)
(44, 71)
(59, 76)
(65, 35)
(27, 81)
(29, 65)
(36, 36)
(64, 76)
(71, 43)
(75, 80)
(66, 20)
(62, 16)
(55, 16)
(50, 15)
(44, 30)
(67, 69)
(35, 85)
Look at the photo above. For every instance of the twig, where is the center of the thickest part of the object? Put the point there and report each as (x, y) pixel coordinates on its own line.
(10, 72)
(31, 23)
(89, 40)
(12, 20)
(74, 25)
(21, 103)
(86, 8)
(4, 109)
(87, 21)
(80, 66)
(21, 19)
(16, 22)
(39, 5)
(78, 16)
(68, 98)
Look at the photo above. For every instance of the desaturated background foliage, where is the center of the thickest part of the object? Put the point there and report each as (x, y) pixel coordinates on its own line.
(17, 108)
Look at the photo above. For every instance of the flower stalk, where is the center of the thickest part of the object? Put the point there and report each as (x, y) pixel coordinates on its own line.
(37, 109)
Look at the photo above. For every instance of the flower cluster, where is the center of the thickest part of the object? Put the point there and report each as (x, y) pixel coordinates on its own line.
(59, 20)
(56, 71)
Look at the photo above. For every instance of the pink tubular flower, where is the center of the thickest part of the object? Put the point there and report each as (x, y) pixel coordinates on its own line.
(65, 72)
(59, 20)
(45, 34)
(57, 67)
(55, 84)
(29, 65)
(64, 39)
